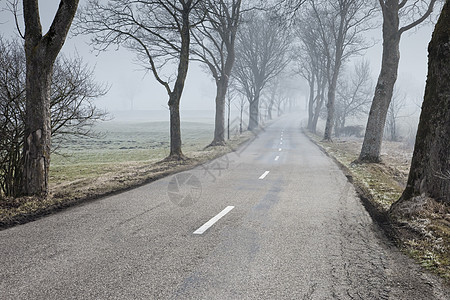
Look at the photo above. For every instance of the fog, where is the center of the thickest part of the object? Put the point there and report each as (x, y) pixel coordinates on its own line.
(132, 89)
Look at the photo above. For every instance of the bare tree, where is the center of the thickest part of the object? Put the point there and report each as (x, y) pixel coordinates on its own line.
(12, 115)
(273, 91)
(287, 9)
(241, 105)
(398, 17)
(429, 174)
(263, 45)
(72, 111)
(341, 24)
(280, 102)
(158, 32)
(41, 51)
(311, 62)
(215, 40)
(231, 93)
(353, 94)
(396, 106)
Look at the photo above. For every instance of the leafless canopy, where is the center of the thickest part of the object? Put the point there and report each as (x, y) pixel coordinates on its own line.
(215, 37)
(151, 29)
(353, 94)
(262, 54)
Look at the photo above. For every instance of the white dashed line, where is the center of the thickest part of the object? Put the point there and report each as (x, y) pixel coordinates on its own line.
(279, 150)
(277, 158)
(213, 220)
(264, 175)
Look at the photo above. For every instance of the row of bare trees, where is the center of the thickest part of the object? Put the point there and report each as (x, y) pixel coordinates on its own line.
(234, 41)
(330, 33)
(164, 35)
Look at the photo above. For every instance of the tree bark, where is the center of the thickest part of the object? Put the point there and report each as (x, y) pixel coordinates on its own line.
(175, 131)
(41, 52)
(253, 121)
(430, 167)
(319, 102)
(269, 109)
(241, 119)
(311, 102)
(37, 135)
(371, 148)
(330, 107)
(175, 95)
(219, 124)
(228, 119)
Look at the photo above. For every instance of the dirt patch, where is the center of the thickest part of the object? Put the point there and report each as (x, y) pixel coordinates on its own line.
(421, 230)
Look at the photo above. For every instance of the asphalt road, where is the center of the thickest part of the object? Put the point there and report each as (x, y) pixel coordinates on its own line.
(293, 228)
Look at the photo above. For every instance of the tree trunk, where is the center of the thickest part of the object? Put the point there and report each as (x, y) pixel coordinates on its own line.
(228, 119)
(430, 167)
(311, 102)
(175, 95)
(37, 142)
(219, 130)
(371, 148)
(175, 132)
(332, 93)
(337, 127)
(330, 110)
(318, 107)
(41, 52)
(253, 121)
(241, 119)
(269, 109)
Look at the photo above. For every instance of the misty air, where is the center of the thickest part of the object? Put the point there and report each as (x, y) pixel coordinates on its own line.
(225, 149)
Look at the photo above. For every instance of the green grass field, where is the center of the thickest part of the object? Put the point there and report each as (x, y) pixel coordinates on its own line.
(119, 143)
(122, 156)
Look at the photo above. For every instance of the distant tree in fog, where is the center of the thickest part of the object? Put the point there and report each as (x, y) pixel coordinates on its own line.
(398, 17)
(72, 111)
(396, 106)
(353, 94)
(429, 175)
(214, 46)
(311, 65)
(261, 54)
(272, 92)
(158, 32)
(341, 24)
(241, 105)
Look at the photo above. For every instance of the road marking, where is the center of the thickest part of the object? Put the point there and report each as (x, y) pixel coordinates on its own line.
(277, 158)
(281, 143)
(213, 220)
(281, 138)
(264, 175)
(279, 149)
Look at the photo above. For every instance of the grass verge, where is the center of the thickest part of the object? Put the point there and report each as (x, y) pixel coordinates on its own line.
(424, 232)
(73, 184)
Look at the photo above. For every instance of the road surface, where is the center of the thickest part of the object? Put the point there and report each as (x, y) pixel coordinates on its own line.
(276, 219)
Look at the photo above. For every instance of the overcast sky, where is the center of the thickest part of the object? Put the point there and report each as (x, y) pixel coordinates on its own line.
(130, 85)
